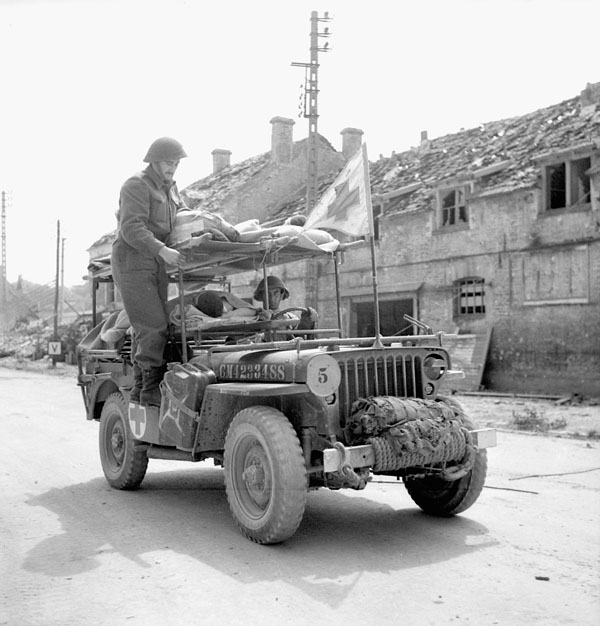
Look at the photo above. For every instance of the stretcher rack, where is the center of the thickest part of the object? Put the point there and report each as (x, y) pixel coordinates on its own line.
(206, 258)
(207, 261)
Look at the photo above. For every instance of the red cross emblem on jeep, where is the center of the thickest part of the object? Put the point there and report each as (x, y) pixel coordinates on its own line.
(137, 420)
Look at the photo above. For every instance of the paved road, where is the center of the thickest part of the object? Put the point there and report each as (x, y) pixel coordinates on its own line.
(75, 552)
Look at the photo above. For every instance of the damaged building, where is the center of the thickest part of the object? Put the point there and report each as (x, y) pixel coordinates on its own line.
(491, 233)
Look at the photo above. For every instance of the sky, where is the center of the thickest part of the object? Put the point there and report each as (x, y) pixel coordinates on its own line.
(87, 85)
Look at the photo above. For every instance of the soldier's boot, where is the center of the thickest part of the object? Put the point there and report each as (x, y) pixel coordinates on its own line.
(134, 396)
(150, 394)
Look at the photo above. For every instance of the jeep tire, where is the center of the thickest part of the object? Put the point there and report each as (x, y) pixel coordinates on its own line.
(124, 461)
(265, 475)
(444, 498)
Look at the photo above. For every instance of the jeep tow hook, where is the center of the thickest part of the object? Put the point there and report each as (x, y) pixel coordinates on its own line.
(346, 470)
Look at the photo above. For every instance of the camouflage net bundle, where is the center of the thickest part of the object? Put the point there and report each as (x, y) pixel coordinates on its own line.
(411, 433)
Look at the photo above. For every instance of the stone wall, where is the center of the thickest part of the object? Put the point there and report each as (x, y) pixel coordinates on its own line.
(542, 286)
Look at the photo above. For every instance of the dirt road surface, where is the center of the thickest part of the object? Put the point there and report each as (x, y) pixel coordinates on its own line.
(75, 552)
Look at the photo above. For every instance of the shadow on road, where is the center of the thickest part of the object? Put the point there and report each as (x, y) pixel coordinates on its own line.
(186, 511)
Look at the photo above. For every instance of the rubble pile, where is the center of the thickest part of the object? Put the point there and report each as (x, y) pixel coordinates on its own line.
(29, 340)
(26, 341)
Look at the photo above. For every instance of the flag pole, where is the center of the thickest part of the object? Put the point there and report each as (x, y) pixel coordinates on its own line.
(336, 269)
(378, 343)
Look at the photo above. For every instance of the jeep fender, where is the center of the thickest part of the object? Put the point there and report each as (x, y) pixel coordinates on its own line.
(222, 401)
(99, 392)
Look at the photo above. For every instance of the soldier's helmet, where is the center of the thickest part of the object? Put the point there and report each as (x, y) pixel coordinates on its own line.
(272, 282)
(210, 303)
(164, 149)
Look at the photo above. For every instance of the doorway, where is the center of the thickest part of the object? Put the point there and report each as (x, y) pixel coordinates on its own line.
(391, 317)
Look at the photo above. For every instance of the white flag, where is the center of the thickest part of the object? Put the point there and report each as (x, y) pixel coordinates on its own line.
(346, 205)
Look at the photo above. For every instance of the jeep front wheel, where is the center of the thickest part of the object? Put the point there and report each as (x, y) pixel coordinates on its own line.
(445, 498)
(124, 462)
(265, 475)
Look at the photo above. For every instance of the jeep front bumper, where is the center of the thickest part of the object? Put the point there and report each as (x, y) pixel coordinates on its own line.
(334, 459)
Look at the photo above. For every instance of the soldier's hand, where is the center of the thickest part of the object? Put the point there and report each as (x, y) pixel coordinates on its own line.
(171, 256)
(263, 314)
(310, 315)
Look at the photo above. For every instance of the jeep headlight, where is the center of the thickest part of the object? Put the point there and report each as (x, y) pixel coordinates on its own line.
(323, 375)
(434, 366)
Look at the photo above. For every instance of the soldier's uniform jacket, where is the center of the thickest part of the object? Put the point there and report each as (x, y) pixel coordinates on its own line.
(147, 209)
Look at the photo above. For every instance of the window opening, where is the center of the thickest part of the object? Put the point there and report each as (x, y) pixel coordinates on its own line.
(454, 208)
(567, 183)
(580, 181)
(558, 186)
(470, 296)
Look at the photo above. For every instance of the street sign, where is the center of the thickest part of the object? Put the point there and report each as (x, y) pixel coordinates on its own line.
(54, 348)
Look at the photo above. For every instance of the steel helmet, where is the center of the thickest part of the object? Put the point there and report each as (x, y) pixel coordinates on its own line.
(272, 282)
(210, 303)
(164, 149)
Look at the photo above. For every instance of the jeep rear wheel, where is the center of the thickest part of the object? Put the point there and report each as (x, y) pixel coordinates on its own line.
(265, 475)
(124, 462)
(444, 498)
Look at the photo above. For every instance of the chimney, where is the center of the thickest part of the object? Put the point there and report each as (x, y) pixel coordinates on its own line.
(221, 159)
(351, 141)
(425, 143)
(589, 98)
(282, 139)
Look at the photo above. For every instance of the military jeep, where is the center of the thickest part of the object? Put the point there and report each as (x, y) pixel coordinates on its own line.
(285, 411)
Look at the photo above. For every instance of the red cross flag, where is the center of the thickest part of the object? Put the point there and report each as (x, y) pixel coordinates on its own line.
(346, 205)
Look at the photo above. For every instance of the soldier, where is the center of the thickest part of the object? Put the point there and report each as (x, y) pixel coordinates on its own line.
(277, 292)
(148, 203)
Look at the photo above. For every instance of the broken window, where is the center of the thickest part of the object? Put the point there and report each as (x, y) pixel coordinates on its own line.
(567, 183)
(470, 293)
(453, 207)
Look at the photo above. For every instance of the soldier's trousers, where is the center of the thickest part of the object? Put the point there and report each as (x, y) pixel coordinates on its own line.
(143, 283)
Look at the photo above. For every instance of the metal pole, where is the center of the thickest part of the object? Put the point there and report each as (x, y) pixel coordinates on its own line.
(372, 241)
(62, 281)
(182, 316)
(3, 248)
(313, 115)
(336, 259)
(311, 92)
(94, 302)
(56, 288)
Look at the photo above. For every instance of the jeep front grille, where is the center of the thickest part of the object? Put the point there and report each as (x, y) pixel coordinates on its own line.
(388, 373)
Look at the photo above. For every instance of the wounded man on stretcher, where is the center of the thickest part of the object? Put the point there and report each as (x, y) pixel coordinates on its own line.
(210, 309)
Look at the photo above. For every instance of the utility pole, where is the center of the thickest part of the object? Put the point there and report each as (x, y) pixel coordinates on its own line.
(309, 109)
(3, 249)
(310, 104)
(62, 281)
(56, 288)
